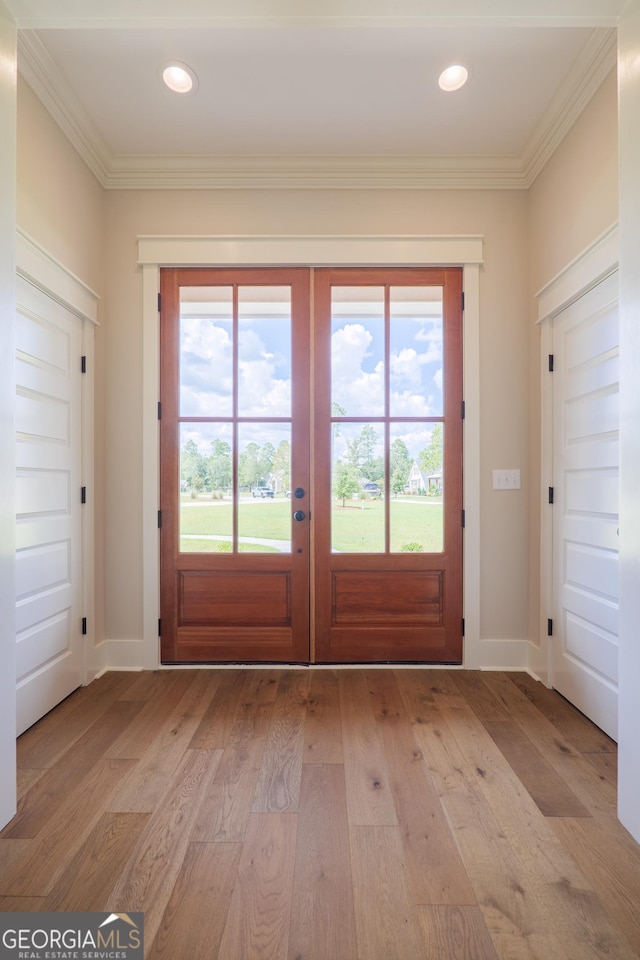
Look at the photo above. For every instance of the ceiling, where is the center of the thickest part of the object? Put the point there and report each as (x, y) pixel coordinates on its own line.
(287, 97)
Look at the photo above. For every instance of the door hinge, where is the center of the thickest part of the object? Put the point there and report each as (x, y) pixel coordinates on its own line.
(463, 518)
(83, 494)
(159, 519)
(159, 410)
(462, 301)
(83, 364)
(463, 410)
(84, 626)
(550, 363)
(159, 302)
(550, 494)
(159, 627)
(549, 627)
(462, 627)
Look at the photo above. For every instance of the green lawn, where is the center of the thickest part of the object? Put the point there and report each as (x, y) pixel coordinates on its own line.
(416, 522)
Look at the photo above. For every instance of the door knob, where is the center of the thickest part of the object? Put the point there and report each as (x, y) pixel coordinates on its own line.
(298, 515)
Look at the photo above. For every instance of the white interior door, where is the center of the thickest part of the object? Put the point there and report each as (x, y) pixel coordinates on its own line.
(585, 510)
(48, 497)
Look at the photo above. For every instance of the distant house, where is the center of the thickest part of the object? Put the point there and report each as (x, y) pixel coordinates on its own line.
(416, 479)
(429, 483)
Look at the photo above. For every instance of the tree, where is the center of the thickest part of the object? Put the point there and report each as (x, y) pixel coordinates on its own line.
(249, 471)
(398, 480)
(345, 481)
(193, 467)
(360, 454)
(220, 472)
(267, 453)
(282, 466)
(399, 465)
(430, 459)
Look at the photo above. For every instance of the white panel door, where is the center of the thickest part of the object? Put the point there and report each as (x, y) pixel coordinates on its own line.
(585, 510)
(48, 503)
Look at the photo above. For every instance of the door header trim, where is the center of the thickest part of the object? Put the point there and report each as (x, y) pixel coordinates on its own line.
(310, 251)
(39, 267)
(588, 268)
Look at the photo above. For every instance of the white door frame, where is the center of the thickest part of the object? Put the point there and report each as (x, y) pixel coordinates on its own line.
(465, 251)
(595, 263)
(35, 265)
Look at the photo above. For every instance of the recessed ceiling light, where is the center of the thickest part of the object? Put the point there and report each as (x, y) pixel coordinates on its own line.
(453, 78)
(179, 77)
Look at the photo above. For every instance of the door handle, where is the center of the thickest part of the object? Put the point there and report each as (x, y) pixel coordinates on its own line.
(299, 515)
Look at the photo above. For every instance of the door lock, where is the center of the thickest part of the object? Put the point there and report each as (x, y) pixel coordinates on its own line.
(299, 515)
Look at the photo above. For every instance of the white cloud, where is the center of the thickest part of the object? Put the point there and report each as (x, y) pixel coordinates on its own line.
(206, 367)
(405, 367)
(357, 390)
(408, 404)
(433, 336)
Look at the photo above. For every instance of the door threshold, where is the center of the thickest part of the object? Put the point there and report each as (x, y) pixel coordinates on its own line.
(261, 665)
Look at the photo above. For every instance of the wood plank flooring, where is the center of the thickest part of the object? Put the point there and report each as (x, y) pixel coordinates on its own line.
(360, 814)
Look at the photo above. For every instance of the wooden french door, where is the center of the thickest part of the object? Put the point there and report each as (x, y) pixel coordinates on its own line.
(388, 414)
(377, 415)
(234, 439)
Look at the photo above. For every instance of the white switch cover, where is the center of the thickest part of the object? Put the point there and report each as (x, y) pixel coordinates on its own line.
(506, 479)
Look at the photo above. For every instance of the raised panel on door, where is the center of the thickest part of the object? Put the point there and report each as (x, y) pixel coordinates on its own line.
(234, 452)
(585, 509)
(388, 465)
(48, 521)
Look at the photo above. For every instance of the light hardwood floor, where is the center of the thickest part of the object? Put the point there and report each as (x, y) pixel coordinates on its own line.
(358, 814)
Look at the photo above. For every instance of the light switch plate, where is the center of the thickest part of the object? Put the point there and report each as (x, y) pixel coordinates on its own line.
(506, 479)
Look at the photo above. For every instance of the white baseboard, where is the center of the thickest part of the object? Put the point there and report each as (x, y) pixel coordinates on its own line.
(116, 655)
(497, 655)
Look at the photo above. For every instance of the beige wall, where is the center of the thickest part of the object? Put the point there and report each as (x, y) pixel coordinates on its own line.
(575, 198)
(571, 204)
(60, 205)
(499, 216)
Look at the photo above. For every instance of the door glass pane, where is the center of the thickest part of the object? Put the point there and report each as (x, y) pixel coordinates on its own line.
(357, 351)
(415, 352)
(416, 480)
(264, 478)
(206, 351)
(264, 351)
(206, 515)
(357, 488)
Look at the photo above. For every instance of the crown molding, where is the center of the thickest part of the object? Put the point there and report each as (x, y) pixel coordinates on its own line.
(588, 73)
(37, 67)
(195, 172)
(314, 172)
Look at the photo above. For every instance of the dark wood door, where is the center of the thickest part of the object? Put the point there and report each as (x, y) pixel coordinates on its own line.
(234, 450)
(388, 465)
